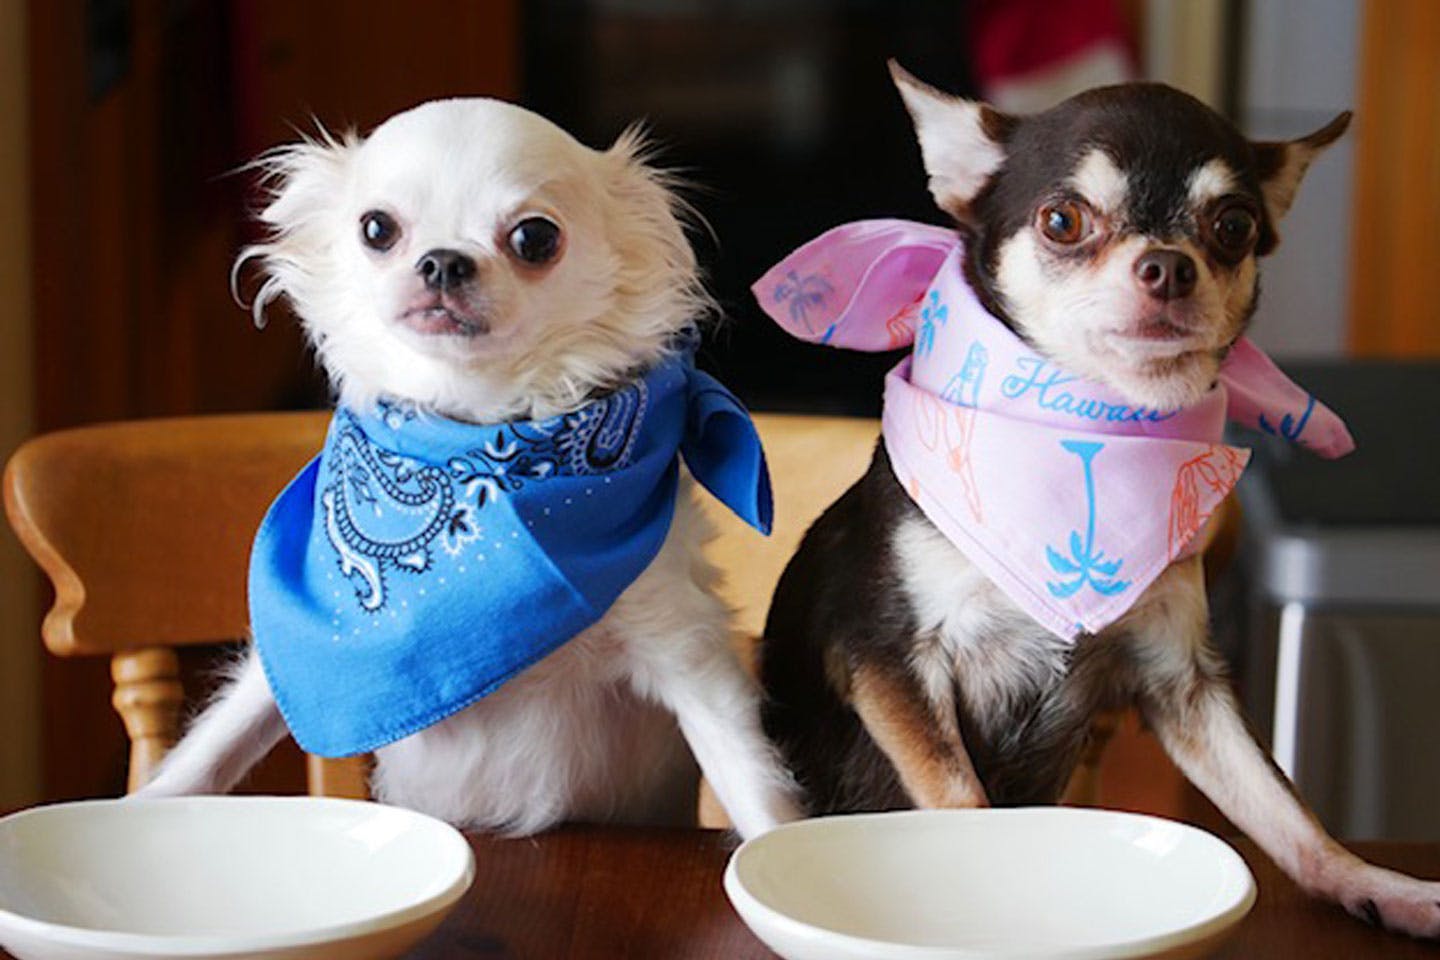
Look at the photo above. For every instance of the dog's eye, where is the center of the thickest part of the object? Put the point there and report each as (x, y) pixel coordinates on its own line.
(535, 240)
(379, 230)
(1066, 222)
(1235, 229)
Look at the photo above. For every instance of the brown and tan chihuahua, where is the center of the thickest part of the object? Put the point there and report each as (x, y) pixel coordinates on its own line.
(897, 673)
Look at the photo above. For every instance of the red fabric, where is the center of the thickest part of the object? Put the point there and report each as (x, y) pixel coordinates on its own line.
(1012, 38)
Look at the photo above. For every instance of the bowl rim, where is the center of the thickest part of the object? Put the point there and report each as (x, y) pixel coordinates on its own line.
(1194, 933)
(185, 945)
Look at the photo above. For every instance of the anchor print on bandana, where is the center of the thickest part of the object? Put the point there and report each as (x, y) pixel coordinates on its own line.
(932, 315)
(1289, 428)
(1215, 472)
(1086, 564)
(803, 294)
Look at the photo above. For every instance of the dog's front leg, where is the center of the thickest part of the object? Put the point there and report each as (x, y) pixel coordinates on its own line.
(225, 742)
(1189, 704)
(920, 736)
(718, 708)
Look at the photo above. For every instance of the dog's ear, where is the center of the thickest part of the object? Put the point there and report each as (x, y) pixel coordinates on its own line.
(630, 163)
(650, 196)
(658, 275)
(301, 178)
(961, 141)
(301, 181)
(1280, 165)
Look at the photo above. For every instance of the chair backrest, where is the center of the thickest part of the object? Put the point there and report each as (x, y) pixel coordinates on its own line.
(144, 529)
(812, 461)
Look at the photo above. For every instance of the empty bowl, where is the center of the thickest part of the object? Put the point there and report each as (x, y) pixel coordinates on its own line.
(1051, 882)
(225, 877)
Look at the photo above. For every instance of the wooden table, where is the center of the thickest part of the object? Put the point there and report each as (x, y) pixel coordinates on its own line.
(612, 893)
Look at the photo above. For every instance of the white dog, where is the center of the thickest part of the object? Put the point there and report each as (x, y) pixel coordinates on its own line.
(474, 260)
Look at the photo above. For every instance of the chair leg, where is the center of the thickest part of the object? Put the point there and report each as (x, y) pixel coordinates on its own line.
(347, 778)
(148, 696)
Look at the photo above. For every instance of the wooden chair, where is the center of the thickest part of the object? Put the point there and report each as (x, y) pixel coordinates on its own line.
(144, 529)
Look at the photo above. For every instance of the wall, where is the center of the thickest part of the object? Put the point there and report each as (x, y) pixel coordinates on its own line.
(19, 587)
(1183, 46)
(1300, 69)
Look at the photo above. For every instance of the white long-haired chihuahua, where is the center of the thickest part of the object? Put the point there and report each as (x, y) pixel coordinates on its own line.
(474, 260)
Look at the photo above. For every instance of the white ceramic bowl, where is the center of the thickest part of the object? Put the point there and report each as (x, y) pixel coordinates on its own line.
(1050, 882)
(275, 877)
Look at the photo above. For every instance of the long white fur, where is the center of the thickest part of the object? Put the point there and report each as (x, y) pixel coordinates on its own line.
(1181, 685)
(591, 731)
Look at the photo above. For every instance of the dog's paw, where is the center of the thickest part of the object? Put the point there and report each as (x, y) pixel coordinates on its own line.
(1393, 901)
(154, 790)
(781, 806)
(172, 782)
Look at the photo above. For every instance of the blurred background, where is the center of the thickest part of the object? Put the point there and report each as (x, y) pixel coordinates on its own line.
(122, 123)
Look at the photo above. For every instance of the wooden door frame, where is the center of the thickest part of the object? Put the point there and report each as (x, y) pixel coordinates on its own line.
(20, 775)
(1393, 312)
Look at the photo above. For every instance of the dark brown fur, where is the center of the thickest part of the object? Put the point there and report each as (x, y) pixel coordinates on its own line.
(839, 609)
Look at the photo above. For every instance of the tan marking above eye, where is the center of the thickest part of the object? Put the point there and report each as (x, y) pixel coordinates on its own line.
(1100, 182)
(1209, 182)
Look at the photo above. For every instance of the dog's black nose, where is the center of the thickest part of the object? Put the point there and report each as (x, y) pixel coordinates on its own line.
(443, 269)
(1166, 274)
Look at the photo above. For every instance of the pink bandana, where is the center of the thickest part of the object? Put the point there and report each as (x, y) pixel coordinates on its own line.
(1069, 497)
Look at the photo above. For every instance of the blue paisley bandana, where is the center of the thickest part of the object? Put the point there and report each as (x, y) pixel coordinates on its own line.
(418, 563)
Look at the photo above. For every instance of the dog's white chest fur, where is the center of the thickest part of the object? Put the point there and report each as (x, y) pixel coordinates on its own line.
(983, 644)
(567, 739)
(577, 736)
(591, 732)
(598, 730)
(980, 639)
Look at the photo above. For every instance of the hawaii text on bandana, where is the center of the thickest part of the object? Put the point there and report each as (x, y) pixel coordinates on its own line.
(418, 563)
(1069, 497)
